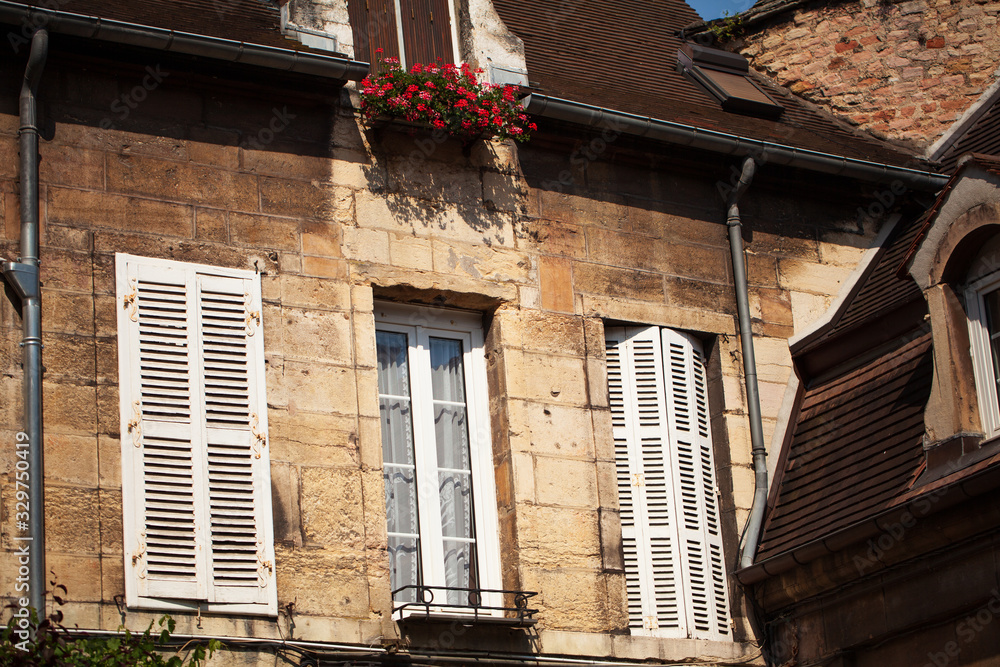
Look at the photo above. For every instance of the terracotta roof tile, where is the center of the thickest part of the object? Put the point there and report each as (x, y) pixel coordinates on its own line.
(622, 55)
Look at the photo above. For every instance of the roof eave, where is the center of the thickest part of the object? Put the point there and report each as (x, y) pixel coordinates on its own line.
(162, 39)
(730, 144)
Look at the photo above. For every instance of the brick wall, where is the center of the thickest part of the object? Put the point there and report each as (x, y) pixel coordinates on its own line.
(336, 216)
(901, 70)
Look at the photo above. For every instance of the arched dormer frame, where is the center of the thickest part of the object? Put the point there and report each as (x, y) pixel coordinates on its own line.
(956, 263)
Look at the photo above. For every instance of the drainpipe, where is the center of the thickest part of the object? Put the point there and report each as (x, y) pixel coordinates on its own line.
(23, 277)
(735, 226)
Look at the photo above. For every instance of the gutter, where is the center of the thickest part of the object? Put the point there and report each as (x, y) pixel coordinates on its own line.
(215, 48)
(729, 144)
(22, 275)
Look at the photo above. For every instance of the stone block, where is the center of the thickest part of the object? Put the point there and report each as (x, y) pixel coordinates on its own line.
(324, 267)
(72, 520)
(321, 388)
(553, 238)
(185, 182)
(481, 262)
(366, 245)
(569, 598)
(98, 209)
(286, 164)
(109, 469)
(558, 430)
(263, 231)
(333, 508)
(81, 575)
(802, 276)
(565, 482)
(313, 439)
(69, 408)
(68, 357)
(566, 642)
(314, 335)
(807, 308)
(554, 379)
(300, 199)
(285, 503)
(211, 224)
(504, 192)
(411, 252)
(556, 284)
(111, 516)
(71, 459)
(323, 584)
(69, 165)
(549, 332)
(665, 314)
(323, 240)
(622, 283)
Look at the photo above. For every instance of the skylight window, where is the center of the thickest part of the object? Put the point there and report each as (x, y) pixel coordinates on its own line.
(726, 76)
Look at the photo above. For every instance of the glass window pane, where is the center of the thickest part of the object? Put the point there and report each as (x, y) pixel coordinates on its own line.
(991, 304)
(400, 499)
(456, 504)
(393, 363)
(404, 560)
(447, 376)
(459, 570)
(452, 433)
(397, 430)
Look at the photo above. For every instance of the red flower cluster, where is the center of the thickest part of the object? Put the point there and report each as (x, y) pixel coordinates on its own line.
(448, 97)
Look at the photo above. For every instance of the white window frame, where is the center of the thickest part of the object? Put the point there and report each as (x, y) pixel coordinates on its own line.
(206, 593)
(420, 324)
(982, 361)
(676, 579)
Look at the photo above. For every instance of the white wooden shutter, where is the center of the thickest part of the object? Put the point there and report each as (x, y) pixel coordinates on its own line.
(699, 533)
(642, 456)
(196, 488)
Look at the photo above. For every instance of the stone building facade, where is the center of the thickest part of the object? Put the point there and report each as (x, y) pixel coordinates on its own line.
(272, 177)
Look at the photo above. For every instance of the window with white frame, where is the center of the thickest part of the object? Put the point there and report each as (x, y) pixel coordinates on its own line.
(675, 570)
(195, 475)
(983, 304)
(437, 459)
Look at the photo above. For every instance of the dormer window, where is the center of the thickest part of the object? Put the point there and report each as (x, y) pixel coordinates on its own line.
(415, 31)
(726, 76)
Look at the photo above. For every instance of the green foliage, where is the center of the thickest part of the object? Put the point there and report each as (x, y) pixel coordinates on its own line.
(50, 644)
(727, 28)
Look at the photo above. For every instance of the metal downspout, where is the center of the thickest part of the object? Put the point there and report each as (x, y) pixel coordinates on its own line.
(752, 532)
(23, 277)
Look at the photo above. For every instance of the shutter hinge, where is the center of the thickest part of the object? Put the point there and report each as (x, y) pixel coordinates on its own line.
(264, 567)
(650, 623)
(135, 424)
(259, 439)
(638, 479)
(130, 301)
(139, 557)
(252, 316)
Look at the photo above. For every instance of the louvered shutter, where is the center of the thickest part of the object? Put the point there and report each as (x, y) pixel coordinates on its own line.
(699, 533)
(426, 28)
(196, 488)
(643, 460)
(373, 24)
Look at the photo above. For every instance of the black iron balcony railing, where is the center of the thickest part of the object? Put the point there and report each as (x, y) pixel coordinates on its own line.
(471, 606)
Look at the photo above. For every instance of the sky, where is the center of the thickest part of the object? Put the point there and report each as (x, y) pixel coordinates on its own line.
(713, 9)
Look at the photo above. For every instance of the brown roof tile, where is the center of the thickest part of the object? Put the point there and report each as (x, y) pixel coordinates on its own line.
(622, 55)
(855, 448)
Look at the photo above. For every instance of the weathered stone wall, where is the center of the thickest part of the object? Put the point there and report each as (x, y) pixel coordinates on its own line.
(548, 245)
(902, 70)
